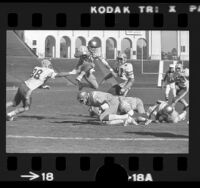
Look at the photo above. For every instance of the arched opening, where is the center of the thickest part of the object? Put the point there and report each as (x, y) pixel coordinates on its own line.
(80, 41)
(50, 46)
(65, 47)
(111, 48)
(142, 52)
(126, 47)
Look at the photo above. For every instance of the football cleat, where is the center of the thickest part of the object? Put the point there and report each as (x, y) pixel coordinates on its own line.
(9, 118)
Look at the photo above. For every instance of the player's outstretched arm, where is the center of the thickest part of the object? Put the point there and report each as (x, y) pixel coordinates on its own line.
(63, 74)
(108, 76)
(108, 66)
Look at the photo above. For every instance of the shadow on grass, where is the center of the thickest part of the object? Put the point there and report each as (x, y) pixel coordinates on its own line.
(71, 122)
(159, 134)
(38, 117)
(75, 115)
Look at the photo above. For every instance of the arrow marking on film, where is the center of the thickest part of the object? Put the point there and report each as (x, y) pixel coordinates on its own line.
(32, 176)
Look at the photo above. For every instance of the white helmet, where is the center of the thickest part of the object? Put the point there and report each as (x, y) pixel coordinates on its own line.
(46, 63)
(122, 57)
(169, 109)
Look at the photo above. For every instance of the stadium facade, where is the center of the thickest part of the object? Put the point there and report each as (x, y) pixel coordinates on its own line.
(136, 44)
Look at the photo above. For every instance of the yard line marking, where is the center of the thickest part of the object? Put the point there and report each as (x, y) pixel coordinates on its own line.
(104, 139)
(15, 88)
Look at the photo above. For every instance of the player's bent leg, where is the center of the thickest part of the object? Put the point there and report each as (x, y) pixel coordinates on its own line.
(92, 82)
(167, 90)
(140, 107)
(117, 117)
(114, 122)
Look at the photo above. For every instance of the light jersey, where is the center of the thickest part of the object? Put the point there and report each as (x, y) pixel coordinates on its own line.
(97, 98)
(125, 72)
(133, 101)
(39, 76)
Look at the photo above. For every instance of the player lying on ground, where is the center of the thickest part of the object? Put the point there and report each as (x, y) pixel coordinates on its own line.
(162, 112)
(38, 77)
(128, 105)
(111, 109)
(182, 85)
(123, 71)
(86, 65)
(169, 82)
(106, 103)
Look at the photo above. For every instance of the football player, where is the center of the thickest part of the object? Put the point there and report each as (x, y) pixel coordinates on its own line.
(129, 105)
(84, 69)
(86, 65)
(169, 82)
(106, 102)
(124, 71)
(38, 77)
(182, 86)
(162, 112)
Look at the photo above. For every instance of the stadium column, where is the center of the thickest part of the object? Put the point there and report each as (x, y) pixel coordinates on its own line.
(103, 48)
(73, 47)
(134, 48)
(57, 47)
(119, 43)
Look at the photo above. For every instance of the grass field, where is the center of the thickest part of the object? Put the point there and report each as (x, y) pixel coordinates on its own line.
(57, 123)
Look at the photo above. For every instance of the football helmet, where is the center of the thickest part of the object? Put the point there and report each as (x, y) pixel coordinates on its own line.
(93, 47)
(179, 67)
(82, 97)
(124, 107)
(81, 51)
(46, 63)
(122, 58)
(169, 109)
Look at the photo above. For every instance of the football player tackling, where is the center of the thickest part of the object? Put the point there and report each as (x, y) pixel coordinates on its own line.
(162, 112)
(38, 77)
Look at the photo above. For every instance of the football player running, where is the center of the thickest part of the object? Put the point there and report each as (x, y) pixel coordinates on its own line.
(85, 66)
(182, 86)
(38, 77)
(124, 71)
(169, 82)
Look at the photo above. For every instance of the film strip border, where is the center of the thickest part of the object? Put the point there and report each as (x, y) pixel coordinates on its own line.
(86, 167)
(97, 168)
(85, 20)
(60, 16)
